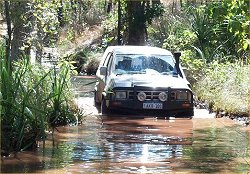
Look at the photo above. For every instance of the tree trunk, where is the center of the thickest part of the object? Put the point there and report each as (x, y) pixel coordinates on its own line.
(8, 21)
(136, 23)
(181, 3)
(60, 14)
(21, 29)
(74, 18)
(173, 6)
(119, 39)
(39, 42)
(109, 8)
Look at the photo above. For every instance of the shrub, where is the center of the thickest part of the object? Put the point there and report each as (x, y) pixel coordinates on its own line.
(92, 64)
(194, 66)
(32, 100)
(225, 87)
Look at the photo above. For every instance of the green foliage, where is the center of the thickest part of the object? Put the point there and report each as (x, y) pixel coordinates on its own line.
(78, 15)
(221, 29)
(46, 21)
(152, 11)
(195, 70)
(110, 26)
(225, 86)
(19, 118)
(60, 113)
(33, 99)
(214, 40)
(86, 59)
(140, 19)
(203, 30)
(171, 31)
(215, 31)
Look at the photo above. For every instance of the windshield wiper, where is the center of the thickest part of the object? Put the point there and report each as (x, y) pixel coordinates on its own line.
(136, 72)
(131, 72)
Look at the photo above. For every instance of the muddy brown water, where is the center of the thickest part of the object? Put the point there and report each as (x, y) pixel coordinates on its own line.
(128, 144)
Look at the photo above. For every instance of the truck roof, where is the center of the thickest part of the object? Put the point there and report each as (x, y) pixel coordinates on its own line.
(138, 50)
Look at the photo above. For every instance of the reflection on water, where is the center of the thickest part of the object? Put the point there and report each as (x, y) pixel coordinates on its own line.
(122, 145)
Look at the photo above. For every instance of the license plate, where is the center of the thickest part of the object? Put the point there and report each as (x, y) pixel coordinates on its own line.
(152, 105)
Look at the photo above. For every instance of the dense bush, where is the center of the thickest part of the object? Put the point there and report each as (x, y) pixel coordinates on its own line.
(222, 86)
(214, 41)
(194, 67)
(225, 87)
(32, 100)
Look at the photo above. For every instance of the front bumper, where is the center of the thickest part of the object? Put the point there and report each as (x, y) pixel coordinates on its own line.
(133, 105)
(137, 105)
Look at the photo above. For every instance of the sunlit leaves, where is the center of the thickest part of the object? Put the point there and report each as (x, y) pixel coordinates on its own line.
(225, 86)
(234, 20)
(222, 28)
(156, 10)
(46, 20)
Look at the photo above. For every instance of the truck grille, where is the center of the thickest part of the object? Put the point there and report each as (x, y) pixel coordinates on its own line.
(172, 96)
(150, 95)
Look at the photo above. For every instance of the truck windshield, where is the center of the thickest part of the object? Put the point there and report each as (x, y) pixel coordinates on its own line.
(143, 64)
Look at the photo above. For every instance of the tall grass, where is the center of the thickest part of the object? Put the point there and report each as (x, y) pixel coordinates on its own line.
(60, 105)
(32, 100)
(222, 86)
(225, 88)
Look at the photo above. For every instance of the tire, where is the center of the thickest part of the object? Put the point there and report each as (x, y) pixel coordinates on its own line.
(189, 114)
(96, 103)
(104, 108)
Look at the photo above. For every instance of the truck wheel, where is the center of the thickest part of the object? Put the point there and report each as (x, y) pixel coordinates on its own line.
(96, 103)
(104, 108)
(189, 114)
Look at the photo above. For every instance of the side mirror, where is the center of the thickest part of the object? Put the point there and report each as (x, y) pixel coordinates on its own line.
(103, 70)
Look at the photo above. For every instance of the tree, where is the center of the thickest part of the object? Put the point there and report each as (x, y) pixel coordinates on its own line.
(136, 23)
(109, 7)
(139, 15)
(21, 19)
(8, 22)
(60, 15)
(221, 29)
(119, 26)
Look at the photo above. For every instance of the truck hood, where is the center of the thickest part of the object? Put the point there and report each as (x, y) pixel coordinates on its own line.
(144, 80)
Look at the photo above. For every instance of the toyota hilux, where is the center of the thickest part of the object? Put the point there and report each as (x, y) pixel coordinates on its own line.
(143, 79)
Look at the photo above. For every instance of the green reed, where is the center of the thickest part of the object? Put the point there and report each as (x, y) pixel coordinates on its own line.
(32, 100)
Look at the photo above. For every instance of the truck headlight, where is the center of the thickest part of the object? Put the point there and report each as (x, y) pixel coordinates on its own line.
(182, 95)
(141, 96)
(163, 96)
(120, 95)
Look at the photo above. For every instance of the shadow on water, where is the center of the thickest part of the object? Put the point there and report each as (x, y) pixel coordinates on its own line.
(137, 146)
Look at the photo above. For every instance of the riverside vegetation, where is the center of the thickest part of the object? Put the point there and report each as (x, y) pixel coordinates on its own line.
(222, 87)
(214, 40)
(33, 100)
(213, 37)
